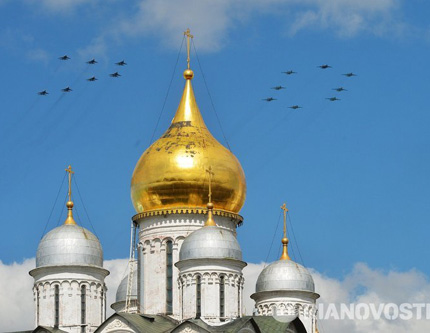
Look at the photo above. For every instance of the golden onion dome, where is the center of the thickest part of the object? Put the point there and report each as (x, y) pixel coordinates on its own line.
(173, 171)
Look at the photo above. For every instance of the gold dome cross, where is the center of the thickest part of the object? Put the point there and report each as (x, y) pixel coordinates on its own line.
(189, 36)
(69, 204)
(70, 172)
(285, 255)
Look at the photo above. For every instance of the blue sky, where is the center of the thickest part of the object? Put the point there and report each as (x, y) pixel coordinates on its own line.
(354, 173)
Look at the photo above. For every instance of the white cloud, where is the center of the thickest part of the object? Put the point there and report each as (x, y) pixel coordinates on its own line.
(60, 6)
(16, 296)
(213, 20)
(17, 41)
(361, 285)
(38, 55)
(118, 269)
(96, 49)
(348, 18)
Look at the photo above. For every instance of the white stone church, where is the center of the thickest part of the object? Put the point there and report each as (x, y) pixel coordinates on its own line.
(186, 276)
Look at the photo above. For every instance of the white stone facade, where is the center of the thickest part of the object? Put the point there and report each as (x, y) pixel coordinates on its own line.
(72, 298)
(154, 234)
(288, 303)
(211, 272)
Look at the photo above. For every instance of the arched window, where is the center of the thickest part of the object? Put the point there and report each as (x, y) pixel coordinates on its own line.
(238, 297)
(102, 300)
(37, 305)
(198, 296)
(83, 308)
(222, 297)
(56, 306)
(182, 297)
(169, 277)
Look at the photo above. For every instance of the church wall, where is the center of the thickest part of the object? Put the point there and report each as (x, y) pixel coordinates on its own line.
(46, 278)
(281, 303)
(154, 232)
(210, 271)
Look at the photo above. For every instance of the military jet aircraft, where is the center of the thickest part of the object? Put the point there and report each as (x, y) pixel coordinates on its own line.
(349, 74)
(121, 63)
(269, 99)
(92, 79)
(333, 99)
(67, 89)
(325, 66)
(278, 87)
(340, 89)
(116, 74)
(43, 93)
(92, 62)
(295, 107)
(64, 57)
(290, 72)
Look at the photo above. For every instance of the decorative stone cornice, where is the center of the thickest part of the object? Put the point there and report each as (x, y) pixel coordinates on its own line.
(163, 212)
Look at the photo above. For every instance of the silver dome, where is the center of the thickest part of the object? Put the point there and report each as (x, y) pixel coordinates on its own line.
(121, 293)
(69, 244)
(210, 242)
(285, 275)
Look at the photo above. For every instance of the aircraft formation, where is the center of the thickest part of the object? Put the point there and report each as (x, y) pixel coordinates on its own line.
(90, 79)
(322, 67)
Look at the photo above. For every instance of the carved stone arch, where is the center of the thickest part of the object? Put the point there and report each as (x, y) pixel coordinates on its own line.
(165, 240)
(156, 244)
(239, 280)
(65, 284)
(206, 278)
(291, 310)
(179, 281)
(189, 279)
(299, 309)
(156, 240)
(146, 246)
(74, 284)
(282, 309)
(259, 309)
(215, 277)
(242, 281)
(182, 280)
(178, 240)
(93, 287)
(228, 279)
(313, 310)
(197, 274)
(305, 310)
(84, 283)
(56, 283)
(272, 309)
(46, 286)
